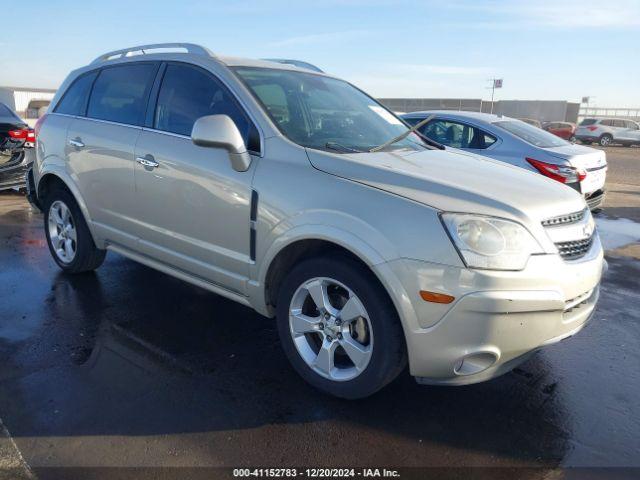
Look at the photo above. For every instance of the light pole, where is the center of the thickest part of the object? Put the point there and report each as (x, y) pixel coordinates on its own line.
(495, 83)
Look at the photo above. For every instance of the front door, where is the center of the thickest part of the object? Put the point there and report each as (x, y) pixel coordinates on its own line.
(192, 207)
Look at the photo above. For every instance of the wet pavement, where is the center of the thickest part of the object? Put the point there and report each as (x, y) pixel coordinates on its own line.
(129, 367)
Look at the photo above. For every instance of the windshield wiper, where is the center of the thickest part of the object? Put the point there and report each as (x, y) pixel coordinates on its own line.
(341, 148)
(406, 134)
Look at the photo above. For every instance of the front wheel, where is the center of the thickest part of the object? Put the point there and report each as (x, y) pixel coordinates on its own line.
(68, 235)
(339, 328)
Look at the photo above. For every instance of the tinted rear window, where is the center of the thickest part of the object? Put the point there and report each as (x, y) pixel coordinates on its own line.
(530, 134)
(120, 93)
(74, 100)
(588, 121)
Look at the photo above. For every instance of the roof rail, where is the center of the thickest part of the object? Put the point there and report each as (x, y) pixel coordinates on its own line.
(126, 52)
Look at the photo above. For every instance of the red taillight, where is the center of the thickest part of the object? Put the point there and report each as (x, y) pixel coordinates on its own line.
(592, 128)
(38, 125)
(19, 134)
(30, 142)
(561, 173)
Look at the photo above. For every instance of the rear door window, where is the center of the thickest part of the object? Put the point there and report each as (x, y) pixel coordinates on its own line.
(188, 93)
(74, 100)
(120, 93)
(532, 135)
(457, 135)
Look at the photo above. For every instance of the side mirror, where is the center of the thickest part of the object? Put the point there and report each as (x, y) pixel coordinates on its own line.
(219, 131)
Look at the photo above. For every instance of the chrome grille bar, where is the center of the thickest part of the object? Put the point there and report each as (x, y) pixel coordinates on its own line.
(564, 219)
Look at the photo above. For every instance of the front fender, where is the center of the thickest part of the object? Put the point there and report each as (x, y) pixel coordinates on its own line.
(347, 231)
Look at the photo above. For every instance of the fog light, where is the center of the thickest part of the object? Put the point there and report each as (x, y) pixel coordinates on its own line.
(475, 363)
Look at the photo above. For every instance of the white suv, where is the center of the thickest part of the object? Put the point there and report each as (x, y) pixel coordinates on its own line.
(606, 131)
(298, 195)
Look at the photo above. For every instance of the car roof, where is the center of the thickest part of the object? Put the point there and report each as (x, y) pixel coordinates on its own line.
(484, 117)
(297, 63)
(256, 62)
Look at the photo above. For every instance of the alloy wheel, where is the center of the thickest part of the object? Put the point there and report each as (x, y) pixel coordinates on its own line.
(331, 329)
(62, 232)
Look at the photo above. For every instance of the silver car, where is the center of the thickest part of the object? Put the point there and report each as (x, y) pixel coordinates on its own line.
(515, 142)
(606, 131)
(296, 194)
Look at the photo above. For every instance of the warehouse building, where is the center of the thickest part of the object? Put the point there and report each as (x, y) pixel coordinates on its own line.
(28, 103)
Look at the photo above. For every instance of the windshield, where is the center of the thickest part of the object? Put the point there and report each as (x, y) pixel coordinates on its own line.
(588, 121)
(324, 113)
(530, 134)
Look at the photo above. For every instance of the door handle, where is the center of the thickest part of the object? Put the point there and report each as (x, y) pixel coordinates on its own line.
(147, 161)
(76, 143)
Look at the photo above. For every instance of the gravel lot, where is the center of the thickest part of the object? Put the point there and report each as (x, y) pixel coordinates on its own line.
(130, 367)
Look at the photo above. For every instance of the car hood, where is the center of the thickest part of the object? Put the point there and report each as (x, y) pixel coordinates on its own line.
(456, 182)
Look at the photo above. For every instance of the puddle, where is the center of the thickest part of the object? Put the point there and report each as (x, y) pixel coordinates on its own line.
(616, 233)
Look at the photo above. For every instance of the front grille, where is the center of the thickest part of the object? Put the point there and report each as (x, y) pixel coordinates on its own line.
(574, 249)
(565, 219)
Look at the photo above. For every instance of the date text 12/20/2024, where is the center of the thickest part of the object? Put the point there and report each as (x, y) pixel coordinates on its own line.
(315, 473)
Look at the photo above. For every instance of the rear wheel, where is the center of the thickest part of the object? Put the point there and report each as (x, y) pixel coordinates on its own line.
(339, 328)
(68, 236)
(605, 140)
(572, 139)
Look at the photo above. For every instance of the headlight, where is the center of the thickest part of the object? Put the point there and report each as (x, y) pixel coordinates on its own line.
(490, 242)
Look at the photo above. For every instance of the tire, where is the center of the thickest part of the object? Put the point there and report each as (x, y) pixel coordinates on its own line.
(378, 331)
(572, 139)
(605, 140)
(73, 250)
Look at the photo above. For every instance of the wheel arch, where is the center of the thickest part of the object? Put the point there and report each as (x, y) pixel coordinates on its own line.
(307, 242)
(49, 180)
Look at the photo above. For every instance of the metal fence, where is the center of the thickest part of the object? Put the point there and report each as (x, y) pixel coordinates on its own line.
(542, 110)
(610, 112)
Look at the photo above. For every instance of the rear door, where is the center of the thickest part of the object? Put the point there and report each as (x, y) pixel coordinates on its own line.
(621, 131)
(101, 142)
(193, 208)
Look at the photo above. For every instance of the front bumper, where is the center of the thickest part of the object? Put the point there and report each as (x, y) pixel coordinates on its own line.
(498, 318)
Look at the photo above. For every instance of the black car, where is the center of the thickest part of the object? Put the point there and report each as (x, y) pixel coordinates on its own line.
(16, 138)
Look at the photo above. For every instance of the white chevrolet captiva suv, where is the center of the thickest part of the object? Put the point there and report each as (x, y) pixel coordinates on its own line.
(295, 193)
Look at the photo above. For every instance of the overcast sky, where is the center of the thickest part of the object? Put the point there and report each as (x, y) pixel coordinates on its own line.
(544, 49)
